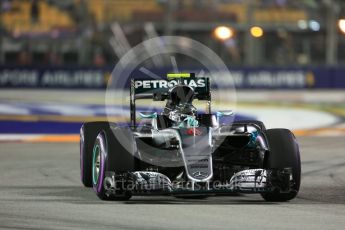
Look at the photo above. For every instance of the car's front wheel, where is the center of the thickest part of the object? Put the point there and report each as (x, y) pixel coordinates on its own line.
(109, 156)
(88, 134)
(283, 153)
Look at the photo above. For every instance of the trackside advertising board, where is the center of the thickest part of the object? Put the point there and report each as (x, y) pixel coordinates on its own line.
(242, 78)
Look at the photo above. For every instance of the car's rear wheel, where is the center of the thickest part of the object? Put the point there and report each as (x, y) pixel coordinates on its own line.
(283, 153)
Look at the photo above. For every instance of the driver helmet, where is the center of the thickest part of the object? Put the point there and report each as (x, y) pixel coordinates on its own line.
(179, 103)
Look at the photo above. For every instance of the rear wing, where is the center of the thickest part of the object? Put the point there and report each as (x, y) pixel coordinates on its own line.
(158, 90)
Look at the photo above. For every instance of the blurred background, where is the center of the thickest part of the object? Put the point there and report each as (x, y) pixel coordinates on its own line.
(98, 32)
(287, 58)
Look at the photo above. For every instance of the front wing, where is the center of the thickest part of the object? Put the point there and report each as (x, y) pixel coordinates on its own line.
(154, 183)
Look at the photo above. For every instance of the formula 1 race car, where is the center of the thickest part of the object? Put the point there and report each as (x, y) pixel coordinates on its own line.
(183, 152)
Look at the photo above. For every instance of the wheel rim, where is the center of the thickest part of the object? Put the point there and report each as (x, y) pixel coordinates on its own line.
(96, 162)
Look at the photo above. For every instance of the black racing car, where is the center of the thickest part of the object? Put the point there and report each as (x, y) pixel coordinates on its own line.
(186, 153)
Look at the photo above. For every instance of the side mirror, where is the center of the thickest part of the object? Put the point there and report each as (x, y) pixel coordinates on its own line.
(148, 115)
(220, 114)
(225, 113)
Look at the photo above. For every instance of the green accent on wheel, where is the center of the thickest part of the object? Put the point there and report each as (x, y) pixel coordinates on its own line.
(95, 163)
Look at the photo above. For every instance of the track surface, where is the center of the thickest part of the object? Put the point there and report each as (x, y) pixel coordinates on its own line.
(40, 189)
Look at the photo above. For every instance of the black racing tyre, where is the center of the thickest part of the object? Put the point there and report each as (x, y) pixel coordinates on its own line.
(258, 123)
(88, 134)
(109, 156)
(283, 153)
